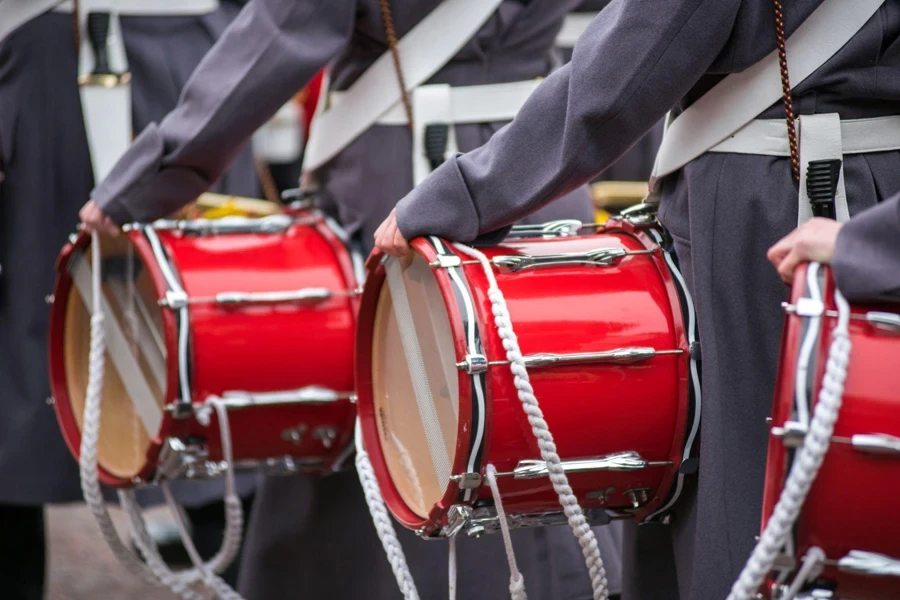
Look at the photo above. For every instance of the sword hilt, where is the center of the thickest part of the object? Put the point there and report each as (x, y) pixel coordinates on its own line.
(98, 32)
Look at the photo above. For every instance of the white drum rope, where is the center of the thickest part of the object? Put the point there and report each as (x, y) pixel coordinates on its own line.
(541, 431)
(155, 571)
(90, 433)
(382, 520)
(516, 581)
(806, 463)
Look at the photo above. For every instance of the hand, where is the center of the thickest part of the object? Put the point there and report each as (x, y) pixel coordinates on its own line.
(389, 238)
(813, 241)
(94, 219)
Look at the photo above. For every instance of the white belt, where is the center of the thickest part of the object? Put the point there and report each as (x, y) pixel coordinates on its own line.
(858, 136)
(468, 104)
(574, 26)
(145, 8)
(822, 137)
(442, 104)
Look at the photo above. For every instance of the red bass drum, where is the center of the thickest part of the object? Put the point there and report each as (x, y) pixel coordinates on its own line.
(607, 328)
(256, 313)
(851, 510)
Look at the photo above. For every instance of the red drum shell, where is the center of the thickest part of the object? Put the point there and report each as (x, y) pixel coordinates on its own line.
(592, 410)
(853, 501)
(244, 348)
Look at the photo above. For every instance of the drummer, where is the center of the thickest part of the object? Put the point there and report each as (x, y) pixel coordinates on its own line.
(45, 171)
(724, 209)
(864, 253)
(314, 536)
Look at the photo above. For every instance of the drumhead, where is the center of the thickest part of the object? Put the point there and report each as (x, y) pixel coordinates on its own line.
(417, 433)
(132, 298)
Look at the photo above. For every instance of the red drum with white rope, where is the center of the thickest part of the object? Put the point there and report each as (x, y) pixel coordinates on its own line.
(851, 510)
(606, 329)
(256, 313)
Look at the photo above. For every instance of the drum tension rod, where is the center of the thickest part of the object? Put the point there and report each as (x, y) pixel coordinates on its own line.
(807, 307)
(513, 263)
(619, 356)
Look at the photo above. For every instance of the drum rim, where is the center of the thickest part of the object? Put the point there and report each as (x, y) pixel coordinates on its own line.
(439, 513)
(58, 385)
(375, 281)
(342, 254)
(667, 485)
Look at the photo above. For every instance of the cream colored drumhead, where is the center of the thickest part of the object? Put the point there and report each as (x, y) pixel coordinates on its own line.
(417, 433)
(134, 310)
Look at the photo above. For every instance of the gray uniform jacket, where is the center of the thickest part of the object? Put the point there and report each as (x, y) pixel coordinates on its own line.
(723, 211)
(47, 177)
(867, 258)
(270, 51)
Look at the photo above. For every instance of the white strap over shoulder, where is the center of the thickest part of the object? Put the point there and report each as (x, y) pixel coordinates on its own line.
(423, 51)
(741, 97)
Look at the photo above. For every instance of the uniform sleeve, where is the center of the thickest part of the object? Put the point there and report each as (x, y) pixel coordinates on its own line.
(268, 53)
(867, 258)
(635, 62)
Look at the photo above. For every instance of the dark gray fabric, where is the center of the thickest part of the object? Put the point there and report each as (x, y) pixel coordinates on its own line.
(867, 258)
(162, 54)
(273, 48)
(47, 179)
(315, 538)
(723, 211)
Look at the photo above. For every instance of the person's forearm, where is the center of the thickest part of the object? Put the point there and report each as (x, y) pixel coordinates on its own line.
(270, 51)
(632, 65)
(867, 257)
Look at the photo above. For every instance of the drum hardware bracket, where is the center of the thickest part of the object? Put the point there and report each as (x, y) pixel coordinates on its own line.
(513, 263)
(474, 364)
(181, 410)
(179, 461)
(445, 261)
(235, 400)
(885, 321)
(226, 225)
(484, 520)
(628, 461)
(869, 563)
(637, 496)
(174, 300)
(457, 518)
(805, 307)
(551, 229)
(791, 433)
(601, 496)
(294, 435)
(326, 435)
(600, 257)
(874, 443)
(467, 481)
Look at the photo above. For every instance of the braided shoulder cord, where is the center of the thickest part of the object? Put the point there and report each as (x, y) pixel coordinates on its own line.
(787, 97)
(391, 34)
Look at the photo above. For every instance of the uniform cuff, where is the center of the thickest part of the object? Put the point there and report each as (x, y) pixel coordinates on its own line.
(866, 254)
(118, 194)
(440, 206)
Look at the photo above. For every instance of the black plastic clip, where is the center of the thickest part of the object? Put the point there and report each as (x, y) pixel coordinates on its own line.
(821, 186)
(437, 137)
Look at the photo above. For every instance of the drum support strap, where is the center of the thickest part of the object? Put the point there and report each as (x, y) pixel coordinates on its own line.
(120, 352)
